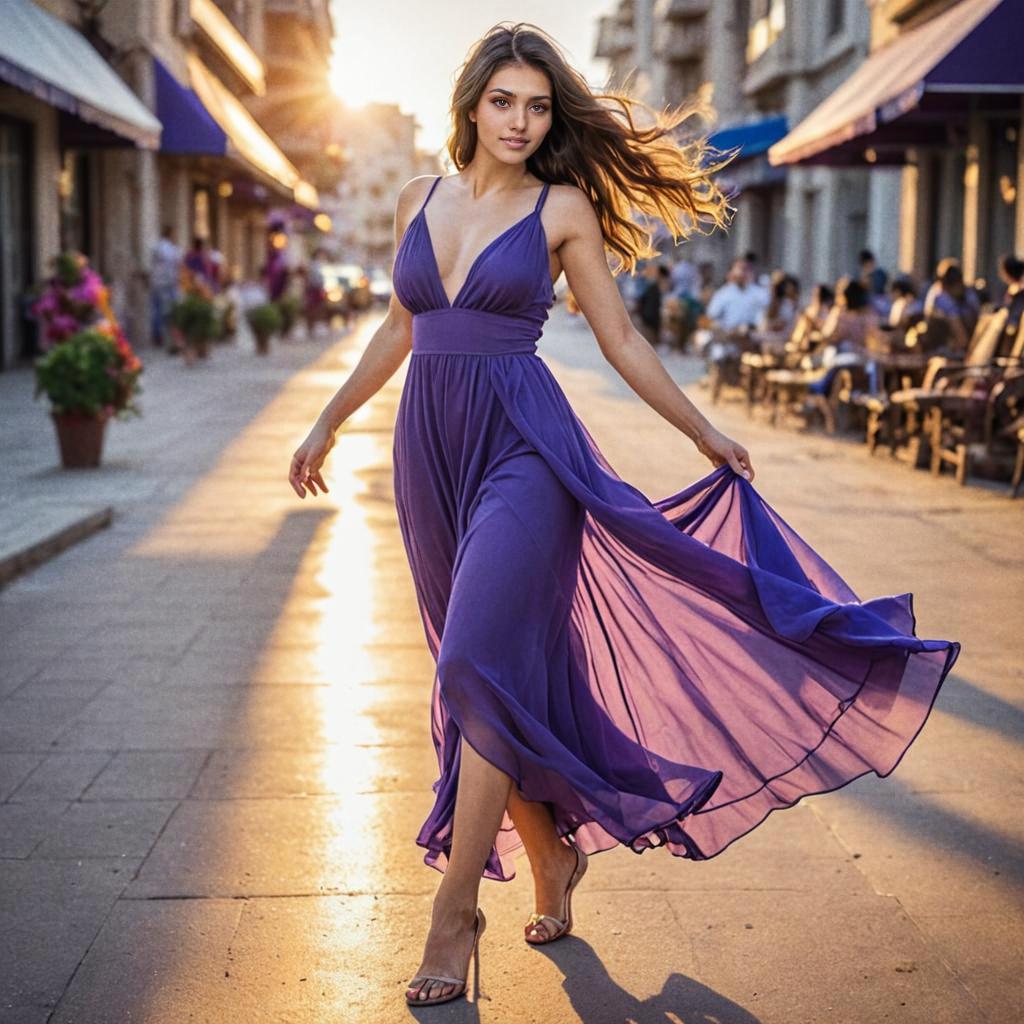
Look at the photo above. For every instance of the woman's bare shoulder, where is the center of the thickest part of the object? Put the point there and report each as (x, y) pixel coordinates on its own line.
(571, 213)
(415, 189)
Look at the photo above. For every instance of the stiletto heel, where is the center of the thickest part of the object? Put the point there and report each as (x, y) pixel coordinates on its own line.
(460, 983)
(564, 926)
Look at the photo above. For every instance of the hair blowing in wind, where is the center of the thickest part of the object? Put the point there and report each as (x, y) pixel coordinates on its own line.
(598, 143)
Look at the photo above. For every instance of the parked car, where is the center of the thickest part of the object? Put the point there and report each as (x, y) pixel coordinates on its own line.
(380, 285)
(352, 279)
(336, 291)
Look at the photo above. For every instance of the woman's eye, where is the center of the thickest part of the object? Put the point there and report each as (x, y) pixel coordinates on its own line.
(538, 107)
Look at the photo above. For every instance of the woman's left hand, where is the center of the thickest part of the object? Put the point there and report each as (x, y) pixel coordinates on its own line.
(720, 449)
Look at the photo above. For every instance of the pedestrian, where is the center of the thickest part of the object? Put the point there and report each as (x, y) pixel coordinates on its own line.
(197, 262)
(657, 279)
(314, 292)
(165, 262)
(609, 670)
(275, 272)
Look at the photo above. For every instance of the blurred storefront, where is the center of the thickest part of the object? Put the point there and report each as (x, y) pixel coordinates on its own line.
(64, 115)
(940, 98)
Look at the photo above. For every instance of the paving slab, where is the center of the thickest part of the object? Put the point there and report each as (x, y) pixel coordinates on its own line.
(50, 913)
(237, 722)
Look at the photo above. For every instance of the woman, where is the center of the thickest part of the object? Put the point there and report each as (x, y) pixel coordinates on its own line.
(605, 665)
(851, 320)
(776, 323)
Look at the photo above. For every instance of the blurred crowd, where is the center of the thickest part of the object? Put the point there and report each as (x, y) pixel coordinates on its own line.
(933, 367)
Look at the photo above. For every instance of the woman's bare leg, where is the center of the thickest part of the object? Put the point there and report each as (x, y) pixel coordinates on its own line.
(479, 806)
(551, 860)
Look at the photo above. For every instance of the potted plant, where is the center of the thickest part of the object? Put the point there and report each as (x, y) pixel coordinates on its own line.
(289, 307)
(89, 378)
(265, 321)
(196, 317)
(73, 298)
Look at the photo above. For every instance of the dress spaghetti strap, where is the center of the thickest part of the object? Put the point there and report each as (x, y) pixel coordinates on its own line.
(429, 194)
(543, 195)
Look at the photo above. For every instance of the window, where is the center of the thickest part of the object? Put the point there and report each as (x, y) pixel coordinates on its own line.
(769, 22)
(836, 17)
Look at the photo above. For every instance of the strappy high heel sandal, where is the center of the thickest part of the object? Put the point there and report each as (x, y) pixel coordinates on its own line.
(564, 926)
(460, 983)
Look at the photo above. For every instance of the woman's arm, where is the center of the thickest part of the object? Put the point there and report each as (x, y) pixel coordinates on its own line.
(381, 358)
(582, 255)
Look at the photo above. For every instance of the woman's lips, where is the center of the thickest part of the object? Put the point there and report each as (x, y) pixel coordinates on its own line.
(514, 143)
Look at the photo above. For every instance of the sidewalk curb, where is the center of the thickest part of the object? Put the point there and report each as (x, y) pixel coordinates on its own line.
(27, 552)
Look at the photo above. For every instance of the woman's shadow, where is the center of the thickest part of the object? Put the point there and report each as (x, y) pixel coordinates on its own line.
(597, 999)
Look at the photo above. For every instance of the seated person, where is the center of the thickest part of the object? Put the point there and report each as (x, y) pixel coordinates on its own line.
(811, 318)
(779, 317)
(739, 302)
(1011, 273)
(950, 298)
(851, 319)
(906, 307)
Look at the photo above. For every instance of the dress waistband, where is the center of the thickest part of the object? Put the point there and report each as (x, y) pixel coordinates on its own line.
(473, 332)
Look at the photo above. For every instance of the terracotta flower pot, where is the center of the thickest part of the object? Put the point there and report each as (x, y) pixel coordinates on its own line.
(80, 438)
(201, 345)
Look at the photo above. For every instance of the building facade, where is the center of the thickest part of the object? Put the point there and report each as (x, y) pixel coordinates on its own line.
(118, 119)
(935, 113)
(763, 64)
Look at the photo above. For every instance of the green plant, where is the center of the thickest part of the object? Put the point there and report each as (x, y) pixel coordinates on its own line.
(195, 317)
(264, 320)
(92, 373)
(289, 307)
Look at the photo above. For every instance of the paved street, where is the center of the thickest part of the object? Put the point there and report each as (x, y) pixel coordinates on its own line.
(215, 750)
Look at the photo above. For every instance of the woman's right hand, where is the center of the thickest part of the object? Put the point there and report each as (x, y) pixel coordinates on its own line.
(309, 458)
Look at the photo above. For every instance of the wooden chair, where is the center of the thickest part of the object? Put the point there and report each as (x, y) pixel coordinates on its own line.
(902, 413)
(980, 423)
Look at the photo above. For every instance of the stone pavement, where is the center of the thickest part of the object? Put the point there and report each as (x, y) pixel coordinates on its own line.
(215, 751)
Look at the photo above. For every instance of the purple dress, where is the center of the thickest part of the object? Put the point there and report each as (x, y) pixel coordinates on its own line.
(661, 674)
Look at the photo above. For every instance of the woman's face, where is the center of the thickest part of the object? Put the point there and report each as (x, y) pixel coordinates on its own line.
(514, 113)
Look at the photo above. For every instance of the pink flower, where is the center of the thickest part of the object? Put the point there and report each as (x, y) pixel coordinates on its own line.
(46, 304)
(62, 326)
(88, 290)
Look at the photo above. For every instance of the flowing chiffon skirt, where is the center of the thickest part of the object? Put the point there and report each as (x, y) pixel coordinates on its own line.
(660, 673)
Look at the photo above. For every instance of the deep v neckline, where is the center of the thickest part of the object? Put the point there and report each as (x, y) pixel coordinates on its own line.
(452, 303)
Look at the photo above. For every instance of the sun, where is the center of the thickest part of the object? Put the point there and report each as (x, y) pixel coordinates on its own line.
(357, 71)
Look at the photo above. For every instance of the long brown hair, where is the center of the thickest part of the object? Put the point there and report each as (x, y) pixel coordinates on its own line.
(595, 143)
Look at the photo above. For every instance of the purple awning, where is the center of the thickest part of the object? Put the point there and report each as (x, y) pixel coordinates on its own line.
(188, 126)
(912, 91)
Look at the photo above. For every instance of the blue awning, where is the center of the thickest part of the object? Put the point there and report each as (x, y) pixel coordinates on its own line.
(188, 126)
(753, 138)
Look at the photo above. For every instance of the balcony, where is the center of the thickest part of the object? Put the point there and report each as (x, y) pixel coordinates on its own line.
(680, 10)
(614, 38)
(680, 42)
(230, 45)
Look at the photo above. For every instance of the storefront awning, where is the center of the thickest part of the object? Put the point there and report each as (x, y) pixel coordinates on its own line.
(43, 56)
(188, 126)
(208, 119)
(752, 138)
(975, 47)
